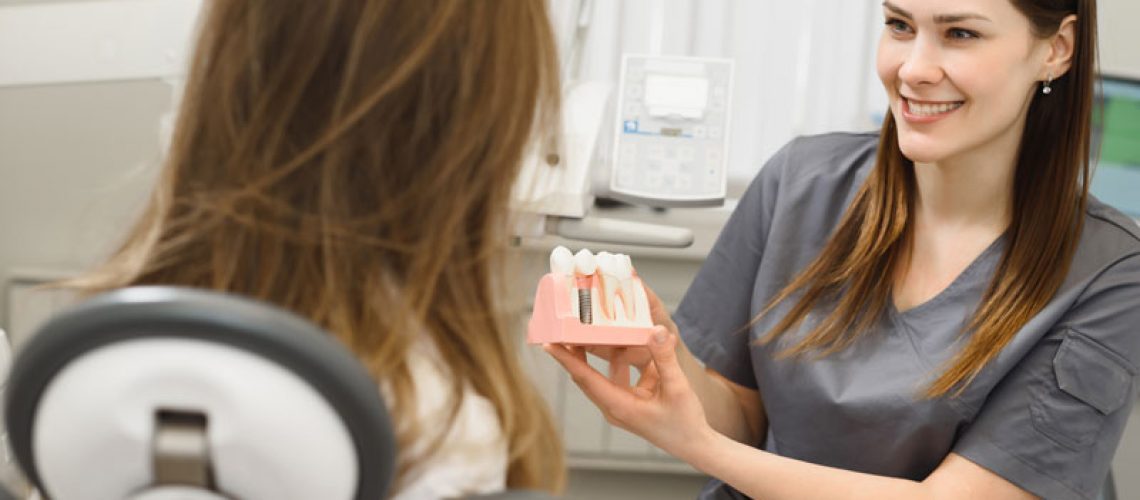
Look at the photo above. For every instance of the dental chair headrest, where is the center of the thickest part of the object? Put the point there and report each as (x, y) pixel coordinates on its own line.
(163, 392)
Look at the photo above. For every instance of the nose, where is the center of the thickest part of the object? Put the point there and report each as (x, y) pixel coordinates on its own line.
(923, 64)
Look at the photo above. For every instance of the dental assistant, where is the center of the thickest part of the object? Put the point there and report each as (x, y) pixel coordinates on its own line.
(939, 310)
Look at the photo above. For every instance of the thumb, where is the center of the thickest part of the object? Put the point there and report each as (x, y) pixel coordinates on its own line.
(663, 349)
(657, 309)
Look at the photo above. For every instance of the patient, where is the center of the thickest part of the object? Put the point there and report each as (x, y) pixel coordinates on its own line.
(352, 161)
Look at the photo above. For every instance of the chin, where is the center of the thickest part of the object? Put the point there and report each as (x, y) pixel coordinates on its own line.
(920, 150)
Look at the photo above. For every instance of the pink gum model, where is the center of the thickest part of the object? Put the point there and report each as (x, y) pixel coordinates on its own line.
(553, 322)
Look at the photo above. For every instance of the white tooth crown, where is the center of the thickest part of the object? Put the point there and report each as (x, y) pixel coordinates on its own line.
(585, 263)
(562, 261)
(624, 266)
(607, 263)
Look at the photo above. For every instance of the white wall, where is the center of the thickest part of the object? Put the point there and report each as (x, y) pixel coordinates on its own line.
(96, 41)
(1120, 40)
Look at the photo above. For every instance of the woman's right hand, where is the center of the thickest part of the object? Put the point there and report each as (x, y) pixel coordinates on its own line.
(621, 357)
(722, 400)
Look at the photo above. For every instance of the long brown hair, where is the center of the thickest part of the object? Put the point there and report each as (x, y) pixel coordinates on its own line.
(856, 267)
(352, 161)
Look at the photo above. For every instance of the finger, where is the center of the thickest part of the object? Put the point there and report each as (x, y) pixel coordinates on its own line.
(566, 356)
(560, 353)
(663, 348)
(604, 352)
(642, 392)
(619, 371)
(648, 379)
(608, 397)
(578, 352)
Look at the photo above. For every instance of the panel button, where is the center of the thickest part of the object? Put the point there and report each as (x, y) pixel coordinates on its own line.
(683, 183)
(654, 179)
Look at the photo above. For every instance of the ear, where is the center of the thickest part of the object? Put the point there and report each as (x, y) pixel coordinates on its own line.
(1062, 46)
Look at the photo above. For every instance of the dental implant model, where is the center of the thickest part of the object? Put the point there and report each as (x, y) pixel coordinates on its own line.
(589, 299)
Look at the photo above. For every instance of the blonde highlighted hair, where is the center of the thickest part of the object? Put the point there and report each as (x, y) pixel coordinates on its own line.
(352, 161)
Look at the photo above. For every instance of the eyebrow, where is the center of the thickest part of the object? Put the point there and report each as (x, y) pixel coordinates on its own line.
(938, 19)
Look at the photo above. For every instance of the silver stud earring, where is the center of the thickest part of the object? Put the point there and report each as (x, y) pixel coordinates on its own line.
(1048, 88)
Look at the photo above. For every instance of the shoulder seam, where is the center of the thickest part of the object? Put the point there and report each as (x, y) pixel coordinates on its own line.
(1129, 232)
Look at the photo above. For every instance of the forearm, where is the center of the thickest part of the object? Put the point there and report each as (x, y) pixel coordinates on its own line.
(766, 476)
(721, 405)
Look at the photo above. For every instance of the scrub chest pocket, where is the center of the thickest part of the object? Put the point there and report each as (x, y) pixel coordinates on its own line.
(1088, 383)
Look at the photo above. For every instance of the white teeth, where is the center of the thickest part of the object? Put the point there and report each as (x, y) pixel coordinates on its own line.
(562, 261)
(919, 109)
(585, 263)
(613, 282)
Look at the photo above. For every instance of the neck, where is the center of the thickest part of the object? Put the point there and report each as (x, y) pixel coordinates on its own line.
(973, 190)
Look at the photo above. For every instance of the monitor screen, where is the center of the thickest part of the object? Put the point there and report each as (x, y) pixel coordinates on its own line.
(1116, 180)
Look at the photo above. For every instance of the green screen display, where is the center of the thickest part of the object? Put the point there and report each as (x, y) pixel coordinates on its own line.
(1121, 140)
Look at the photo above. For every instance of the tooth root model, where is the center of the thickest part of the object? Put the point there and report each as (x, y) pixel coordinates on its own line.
(629, 300)
(609, 284)
(590, 299)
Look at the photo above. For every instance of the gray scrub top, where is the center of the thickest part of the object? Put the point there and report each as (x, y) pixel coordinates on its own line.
(1046, 414)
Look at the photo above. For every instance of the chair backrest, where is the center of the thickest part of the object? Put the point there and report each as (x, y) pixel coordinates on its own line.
(174, 387)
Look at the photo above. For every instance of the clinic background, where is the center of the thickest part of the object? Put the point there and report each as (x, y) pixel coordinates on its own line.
(88, 89)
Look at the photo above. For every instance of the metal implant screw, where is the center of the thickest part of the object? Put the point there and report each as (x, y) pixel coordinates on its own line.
(585, 311)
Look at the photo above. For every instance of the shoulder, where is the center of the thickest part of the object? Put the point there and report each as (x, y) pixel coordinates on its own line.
(1108, 225)
(835, 162)
(473, 455)
(1108, 238)
(833, 150)
(812, 179)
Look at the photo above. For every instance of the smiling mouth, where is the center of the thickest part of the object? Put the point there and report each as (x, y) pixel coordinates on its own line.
(930, 109)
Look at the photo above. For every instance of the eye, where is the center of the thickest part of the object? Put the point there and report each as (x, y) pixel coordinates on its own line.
(962, 34)
(897, 26)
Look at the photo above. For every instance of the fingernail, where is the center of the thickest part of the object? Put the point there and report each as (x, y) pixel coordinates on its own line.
(659, 336)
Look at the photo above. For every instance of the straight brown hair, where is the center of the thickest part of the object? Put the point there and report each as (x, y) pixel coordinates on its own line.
(352, 161)
(856, 267)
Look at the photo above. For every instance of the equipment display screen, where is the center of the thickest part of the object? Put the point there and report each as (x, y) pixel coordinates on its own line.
(676, 92)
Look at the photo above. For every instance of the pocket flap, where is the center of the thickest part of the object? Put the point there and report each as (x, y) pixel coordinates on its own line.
(1091, 373)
